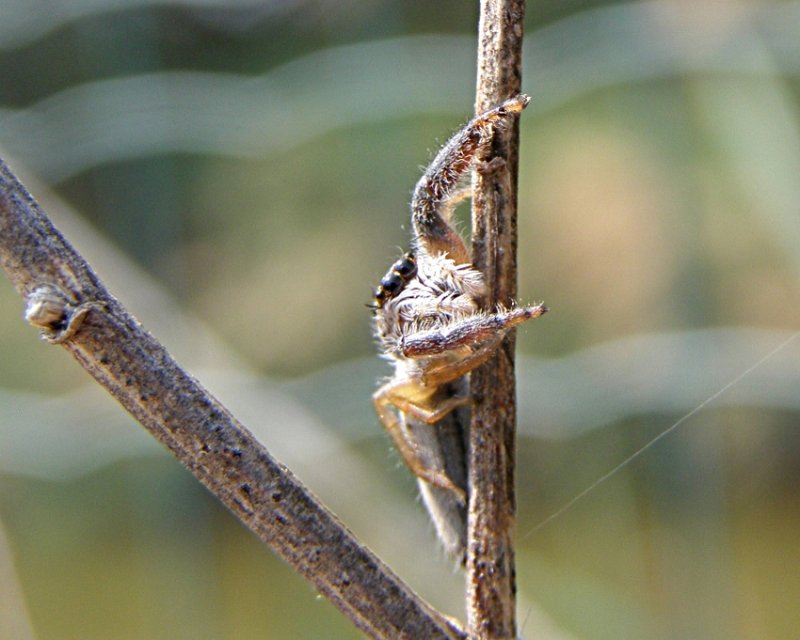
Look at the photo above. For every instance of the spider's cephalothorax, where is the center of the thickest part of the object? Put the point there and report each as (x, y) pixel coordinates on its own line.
(432, 328)
(395, 279)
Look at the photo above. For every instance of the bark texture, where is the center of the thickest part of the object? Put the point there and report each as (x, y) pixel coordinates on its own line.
(491, 582)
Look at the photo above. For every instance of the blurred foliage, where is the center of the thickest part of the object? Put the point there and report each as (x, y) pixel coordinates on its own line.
(245, 168)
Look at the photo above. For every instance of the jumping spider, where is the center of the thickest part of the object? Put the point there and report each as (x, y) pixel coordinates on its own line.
(430, 324)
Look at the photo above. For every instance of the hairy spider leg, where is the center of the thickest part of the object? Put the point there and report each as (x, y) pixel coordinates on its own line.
(484, 331)
(466, 331)
(430, 212)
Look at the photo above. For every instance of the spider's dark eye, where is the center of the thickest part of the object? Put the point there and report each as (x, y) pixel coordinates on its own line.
(406, 267)
(391, 283)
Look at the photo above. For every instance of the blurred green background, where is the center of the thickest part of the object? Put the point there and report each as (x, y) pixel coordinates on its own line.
(238, 173)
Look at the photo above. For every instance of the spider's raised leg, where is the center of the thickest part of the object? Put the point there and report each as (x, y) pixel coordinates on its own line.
(430, 211)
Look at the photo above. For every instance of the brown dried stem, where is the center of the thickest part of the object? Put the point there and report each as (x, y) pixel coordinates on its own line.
(491, 585)
(66, 298)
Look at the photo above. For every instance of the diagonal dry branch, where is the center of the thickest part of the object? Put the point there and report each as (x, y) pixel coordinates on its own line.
(66, 298)
(491, 585)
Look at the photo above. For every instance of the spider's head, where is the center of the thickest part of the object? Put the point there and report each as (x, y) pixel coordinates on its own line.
(395, 279)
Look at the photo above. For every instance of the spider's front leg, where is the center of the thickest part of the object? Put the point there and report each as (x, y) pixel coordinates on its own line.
(434, 194)
(471, 340)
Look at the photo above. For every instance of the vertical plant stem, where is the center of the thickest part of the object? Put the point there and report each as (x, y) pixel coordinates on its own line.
(491, 581)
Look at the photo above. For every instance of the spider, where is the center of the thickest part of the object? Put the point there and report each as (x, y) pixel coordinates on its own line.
(432, 329)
